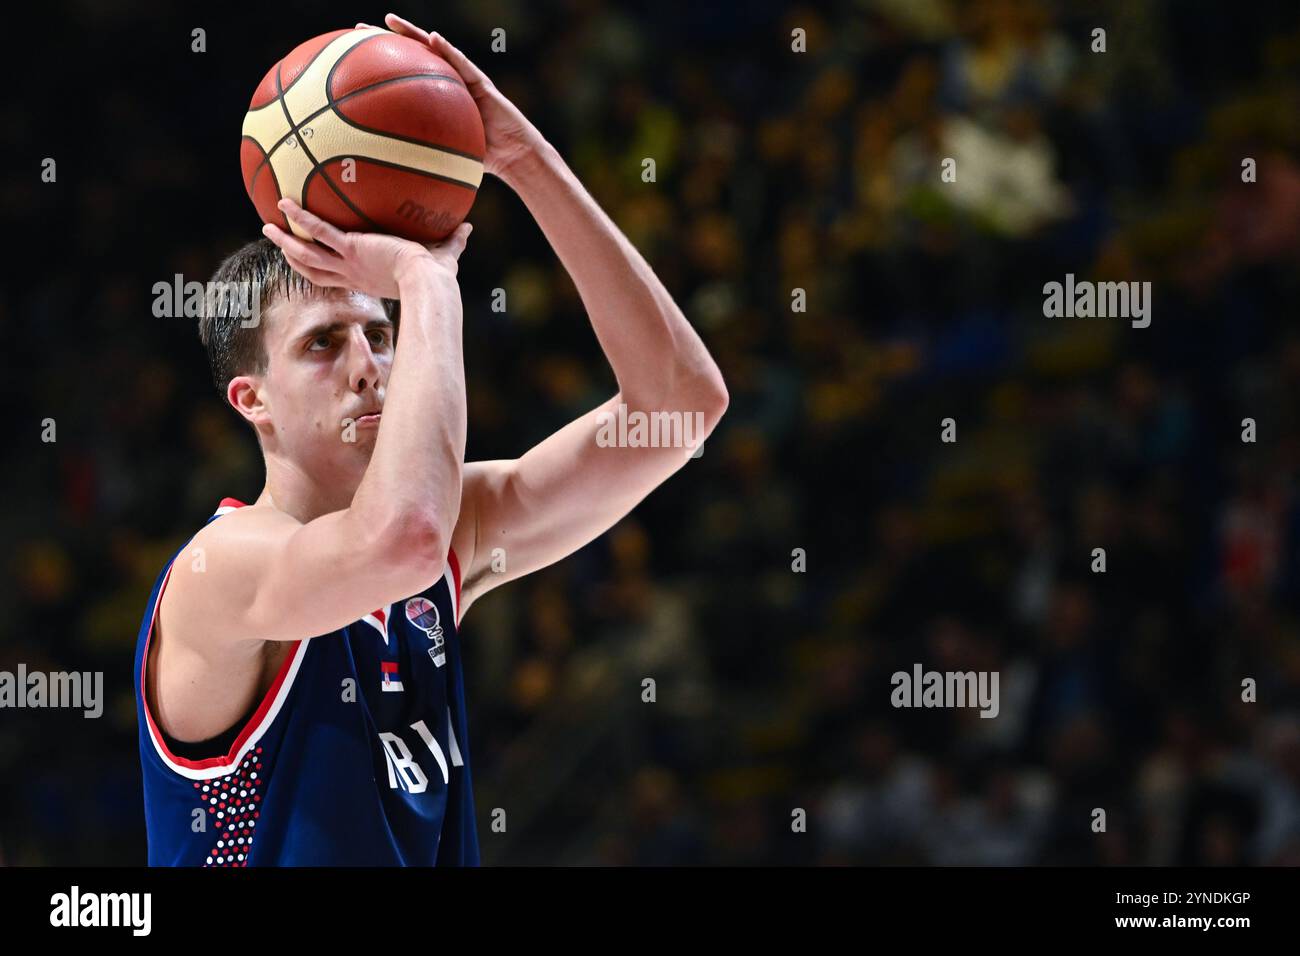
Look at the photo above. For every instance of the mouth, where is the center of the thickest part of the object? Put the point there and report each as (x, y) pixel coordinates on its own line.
(369, 418)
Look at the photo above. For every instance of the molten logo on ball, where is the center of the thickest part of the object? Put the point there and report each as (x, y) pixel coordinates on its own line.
(435, 220)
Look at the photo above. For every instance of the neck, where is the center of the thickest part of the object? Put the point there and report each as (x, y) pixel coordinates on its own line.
(294, 491)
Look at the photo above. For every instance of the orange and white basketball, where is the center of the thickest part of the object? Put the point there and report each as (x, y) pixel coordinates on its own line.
(371, 131)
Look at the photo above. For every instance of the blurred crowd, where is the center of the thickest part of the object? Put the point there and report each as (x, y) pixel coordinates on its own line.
(776, 171)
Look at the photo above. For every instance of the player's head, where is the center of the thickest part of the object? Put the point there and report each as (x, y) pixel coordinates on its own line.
(303, 366)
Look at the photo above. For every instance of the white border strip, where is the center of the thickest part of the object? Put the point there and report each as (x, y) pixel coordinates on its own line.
(451, 589)
(207, 773)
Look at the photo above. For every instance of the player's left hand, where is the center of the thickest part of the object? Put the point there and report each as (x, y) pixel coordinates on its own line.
(510, 136)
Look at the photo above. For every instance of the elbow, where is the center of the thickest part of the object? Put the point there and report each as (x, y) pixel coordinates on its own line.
(418, 544)
(719, 398)
(694, 392)
(707, 394)
(428, 542)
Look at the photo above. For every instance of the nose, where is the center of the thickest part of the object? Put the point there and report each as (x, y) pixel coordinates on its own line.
(363, 366)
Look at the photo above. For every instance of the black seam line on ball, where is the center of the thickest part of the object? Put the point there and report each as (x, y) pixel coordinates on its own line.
(281, 90)
(365, 89)
(316, 167)
(410, 139)
(390, 135)
(276, 179)
(329, 79)
(315, 163)
(333, 103)
(262, 164)
(307, 65)
(280, 95)
(411, 169)
(301, 199)
(374, 226)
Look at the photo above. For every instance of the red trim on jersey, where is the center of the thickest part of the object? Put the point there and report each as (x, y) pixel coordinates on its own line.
(455, 576)
(253, 721)
(231, 503)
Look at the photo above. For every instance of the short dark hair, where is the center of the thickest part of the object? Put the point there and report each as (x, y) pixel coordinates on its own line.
(238, 349)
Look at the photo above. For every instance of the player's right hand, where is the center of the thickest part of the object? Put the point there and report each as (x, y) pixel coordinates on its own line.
(368, 262)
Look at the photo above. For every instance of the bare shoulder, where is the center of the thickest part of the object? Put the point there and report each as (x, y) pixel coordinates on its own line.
(204, 668)
(216, 574)
(482, 482)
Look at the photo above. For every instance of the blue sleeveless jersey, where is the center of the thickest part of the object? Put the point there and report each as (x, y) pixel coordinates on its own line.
(358, 755)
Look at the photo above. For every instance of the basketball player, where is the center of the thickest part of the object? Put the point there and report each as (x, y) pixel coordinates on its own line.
(298, 670)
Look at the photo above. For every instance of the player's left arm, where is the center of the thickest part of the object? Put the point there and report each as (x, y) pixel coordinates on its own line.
(523, 514)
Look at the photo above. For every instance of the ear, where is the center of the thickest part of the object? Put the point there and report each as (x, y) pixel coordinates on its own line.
(246, 395)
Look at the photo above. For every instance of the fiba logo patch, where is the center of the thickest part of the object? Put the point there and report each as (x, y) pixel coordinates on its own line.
(423, 613)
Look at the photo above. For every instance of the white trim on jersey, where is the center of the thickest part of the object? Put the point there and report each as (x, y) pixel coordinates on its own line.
(220, 770)
(374, 622)
(451, 589)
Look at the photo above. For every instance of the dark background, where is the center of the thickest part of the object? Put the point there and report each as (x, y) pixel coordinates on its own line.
(776, 170)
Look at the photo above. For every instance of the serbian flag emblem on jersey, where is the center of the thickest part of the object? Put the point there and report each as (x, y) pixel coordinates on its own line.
(392, 680)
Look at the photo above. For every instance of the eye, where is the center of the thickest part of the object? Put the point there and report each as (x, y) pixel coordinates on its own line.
(320, 338)
(379, 337)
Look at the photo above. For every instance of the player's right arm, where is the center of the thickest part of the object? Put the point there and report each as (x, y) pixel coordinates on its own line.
(268, 576)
